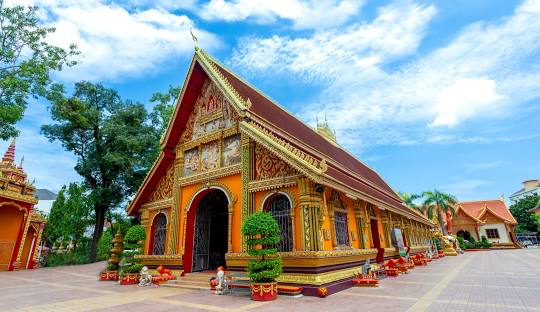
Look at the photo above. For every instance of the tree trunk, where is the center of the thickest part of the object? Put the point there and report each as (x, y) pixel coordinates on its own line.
(441, 222)
(98, 231)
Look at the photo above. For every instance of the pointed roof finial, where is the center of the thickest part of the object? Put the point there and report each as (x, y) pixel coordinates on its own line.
(195, 39)
(9, 155)
(21, 163)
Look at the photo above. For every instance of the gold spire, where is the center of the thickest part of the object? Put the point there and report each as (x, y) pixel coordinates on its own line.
(325, 131)
(9, 155)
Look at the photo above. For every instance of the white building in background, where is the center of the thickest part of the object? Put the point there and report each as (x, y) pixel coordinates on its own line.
(46, 199)
(530, 187)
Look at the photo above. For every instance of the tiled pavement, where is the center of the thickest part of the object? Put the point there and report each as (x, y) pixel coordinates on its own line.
(506, 280)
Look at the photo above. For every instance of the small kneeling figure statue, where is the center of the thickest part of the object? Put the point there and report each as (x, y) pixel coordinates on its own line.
(222, 284)
(146, 278)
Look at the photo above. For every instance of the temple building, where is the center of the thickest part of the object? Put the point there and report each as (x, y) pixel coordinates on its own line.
(229, 151)
(489, 218)
(20, 225)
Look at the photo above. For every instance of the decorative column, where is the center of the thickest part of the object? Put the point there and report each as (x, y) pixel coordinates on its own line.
(310, 205)
(384, 219)
(359, 214)
(247, 175)
(231, 212)
(177, 200)
(332, 219)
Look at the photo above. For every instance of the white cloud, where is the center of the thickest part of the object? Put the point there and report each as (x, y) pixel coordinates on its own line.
(395, 32)
(117, 43)
(483, 165)
(463, 99)
(303, 14)
(378, 91)
(465, 189)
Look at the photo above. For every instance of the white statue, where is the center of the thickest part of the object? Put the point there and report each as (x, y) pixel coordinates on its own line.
(146, 278)
(222, 283)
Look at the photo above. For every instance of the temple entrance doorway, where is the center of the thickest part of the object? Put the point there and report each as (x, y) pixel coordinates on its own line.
(464, 234)
(210, 237)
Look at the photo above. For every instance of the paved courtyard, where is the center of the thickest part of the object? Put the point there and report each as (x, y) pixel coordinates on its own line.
(477, 281)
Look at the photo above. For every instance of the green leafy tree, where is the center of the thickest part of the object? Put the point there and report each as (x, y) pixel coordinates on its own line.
(408, 199)
(164, 107)
(262, 232)
(55, 221)
(112, 139)
(70, 215)
(522, 211)
(26, 61)
(439, 203)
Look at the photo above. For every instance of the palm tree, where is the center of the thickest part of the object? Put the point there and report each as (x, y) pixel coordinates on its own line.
(408, 200)
(439, 203)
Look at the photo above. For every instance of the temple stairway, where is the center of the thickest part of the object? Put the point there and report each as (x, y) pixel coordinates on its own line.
(197, 280)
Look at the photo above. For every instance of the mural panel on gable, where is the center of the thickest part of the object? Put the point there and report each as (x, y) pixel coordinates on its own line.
(191, 161)
(231, 150)
(209, 156)
(212, 111)
(268, 165)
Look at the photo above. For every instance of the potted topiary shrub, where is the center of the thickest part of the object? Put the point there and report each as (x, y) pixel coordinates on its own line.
(262, 233)
(130, 266)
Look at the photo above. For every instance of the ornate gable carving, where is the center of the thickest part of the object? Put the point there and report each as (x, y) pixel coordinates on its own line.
(164, 187)
(268, 165)
(212, 111)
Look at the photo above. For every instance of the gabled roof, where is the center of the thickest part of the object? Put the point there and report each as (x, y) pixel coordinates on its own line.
(272, 126)
(497, 207)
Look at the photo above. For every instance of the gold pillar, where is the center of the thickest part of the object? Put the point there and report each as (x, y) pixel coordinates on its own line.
(231, 212)
(310, 207)
(247, 175)
(361, 223)
(388, 238)
(177, 200)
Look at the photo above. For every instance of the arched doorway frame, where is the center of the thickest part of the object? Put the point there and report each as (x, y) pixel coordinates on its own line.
(272, 194)
(153, 232)
(189, 215)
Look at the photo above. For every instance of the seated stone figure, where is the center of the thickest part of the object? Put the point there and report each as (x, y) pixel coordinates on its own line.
(146, 278)
(222, 283)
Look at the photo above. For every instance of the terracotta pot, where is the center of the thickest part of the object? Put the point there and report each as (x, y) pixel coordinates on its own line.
(130, 279)
(108, 276)
(264, 291)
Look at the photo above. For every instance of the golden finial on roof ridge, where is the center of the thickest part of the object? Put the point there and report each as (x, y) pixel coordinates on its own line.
(195, 39)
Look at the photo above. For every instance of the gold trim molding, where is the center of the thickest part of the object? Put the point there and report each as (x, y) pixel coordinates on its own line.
(212, 174)
(273, 183)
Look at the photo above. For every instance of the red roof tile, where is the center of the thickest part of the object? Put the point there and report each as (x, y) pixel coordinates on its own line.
(495, 206)
(342, 166)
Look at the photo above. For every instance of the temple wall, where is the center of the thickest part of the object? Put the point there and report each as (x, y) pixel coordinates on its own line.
(11, 219)
(501, 228)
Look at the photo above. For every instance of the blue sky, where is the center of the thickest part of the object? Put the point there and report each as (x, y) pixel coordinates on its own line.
(431, 94)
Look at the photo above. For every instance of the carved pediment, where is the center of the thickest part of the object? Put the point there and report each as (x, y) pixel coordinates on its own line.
(212, 111)
(164, 187)
(268, 165)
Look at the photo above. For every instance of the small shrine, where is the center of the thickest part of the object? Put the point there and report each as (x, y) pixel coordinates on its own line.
(20, 225)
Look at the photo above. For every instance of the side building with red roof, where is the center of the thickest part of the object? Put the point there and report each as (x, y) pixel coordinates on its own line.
(490, 218)
(230, 151)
